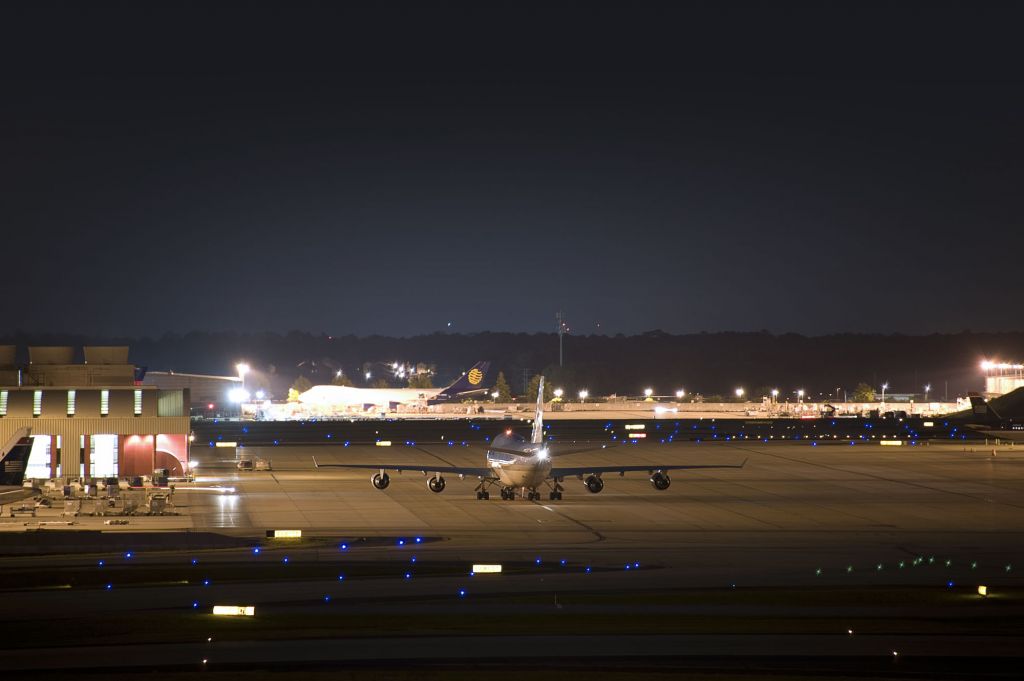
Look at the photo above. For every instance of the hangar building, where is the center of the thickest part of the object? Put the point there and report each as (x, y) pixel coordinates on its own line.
(88, 418)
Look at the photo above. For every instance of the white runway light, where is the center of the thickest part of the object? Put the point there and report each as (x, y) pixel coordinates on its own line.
(485, 568)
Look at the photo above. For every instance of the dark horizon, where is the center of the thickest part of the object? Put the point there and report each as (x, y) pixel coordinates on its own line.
(795, 166)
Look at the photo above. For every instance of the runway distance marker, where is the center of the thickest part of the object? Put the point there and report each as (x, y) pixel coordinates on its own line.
(235, 610)
(484, 568)
(284, 534)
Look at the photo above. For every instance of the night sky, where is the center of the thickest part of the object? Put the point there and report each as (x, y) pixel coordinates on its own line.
(810, 167)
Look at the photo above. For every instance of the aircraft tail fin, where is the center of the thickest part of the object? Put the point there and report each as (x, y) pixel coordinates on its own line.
(538, 418)
(14, 460)
(982, 408)
(468, 383)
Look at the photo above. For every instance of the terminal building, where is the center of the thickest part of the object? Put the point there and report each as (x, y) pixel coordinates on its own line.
(90, 418)
(1002, 377)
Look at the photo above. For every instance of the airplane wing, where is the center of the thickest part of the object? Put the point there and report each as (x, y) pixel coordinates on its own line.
(9, 496)
(579, 471)
(419, 468)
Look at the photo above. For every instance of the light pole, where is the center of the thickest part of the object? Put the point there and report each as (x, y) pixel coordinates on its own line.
(800, 394)
(775, 395)
(885, 386)
(558, 393)
(739, 393)
(584, 395)
(242, 368)
(680, 394)
(927, 388)
(648, 392)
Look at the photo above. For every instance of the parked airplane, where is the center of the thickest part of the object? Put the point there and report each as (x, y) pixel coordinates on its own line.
(515, 464)
(337, 396)
(13, 460)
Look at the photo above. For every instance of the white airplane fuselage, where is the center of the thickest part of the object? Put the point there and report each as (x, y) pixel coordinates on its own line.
(517, 462)
(347, 396)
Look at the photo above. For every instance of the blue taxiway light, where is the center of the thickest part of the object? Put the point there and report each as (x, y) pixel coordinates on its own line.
(408, 575)
(341, 578)
(343, 547)
(462, 593)
(256, 549)
(419, 540)
(413, 559)
(195, 604)
(285, 559)
(401, 542)
(101, 563)
(327, 598)
(537, 561)
(588, 569)
(109, 587)
(195, 561)
(206, 582)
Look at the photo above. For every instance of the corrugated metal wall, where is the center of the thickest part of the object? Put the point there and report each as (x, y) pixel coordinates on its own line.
(71, 430)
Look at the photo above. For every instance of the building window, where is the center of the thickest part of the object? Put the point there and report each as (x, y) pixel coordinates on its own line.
(104, 402)
(71, 403)
(138, 403)
(37, 402)
(3, 403)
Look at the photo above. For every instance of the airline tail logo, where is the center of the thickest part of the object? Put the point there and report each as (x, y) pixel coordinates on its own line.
(475, 376)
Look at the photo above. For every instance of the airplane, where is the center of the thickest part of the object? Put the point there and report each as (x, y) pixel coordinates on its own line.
(513, 463)
(13, 462)
(334, 396)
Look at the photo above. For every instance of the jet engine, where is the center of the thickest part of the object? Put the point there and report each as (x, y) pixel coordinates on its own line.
(660, 481)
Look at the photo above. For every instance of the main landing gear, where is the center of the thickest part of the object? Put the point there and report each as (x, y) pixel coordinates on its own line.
(381, 480)
(594, 484)
(435, 484)
(556, 491)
